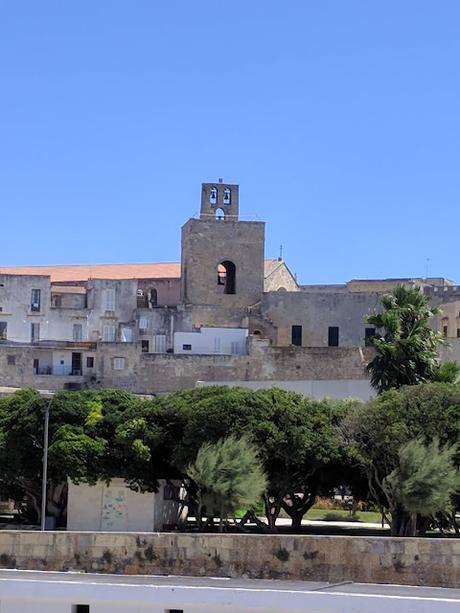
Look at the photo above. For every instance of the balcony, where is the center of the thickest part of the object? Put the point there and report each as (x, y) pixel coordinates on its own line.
(57, 372)
(86, 345)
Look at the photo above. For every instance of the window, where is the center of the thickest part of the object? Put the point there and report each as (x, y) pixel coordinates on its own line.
(108, 334)
(160, 343)
(213, 195)
(11, 360)
(445, 330)
(226, 276)
(458, 332)
(118, 363)
(369, 334)
(36, 366)
(220, 215)
(80, 608)
(144, 346)
(126, 335)
(174, 611)
(76, 364)
(35, 300)
(333, 336)
(90, 362)
(3, 330)
(140, 293)
(235, 348)
(56, 301)
(34, 333)
(143, 323)
(153, 297)
(296, 335)
(186, 347)
(77, 332)
(109, 299)
(227, 196)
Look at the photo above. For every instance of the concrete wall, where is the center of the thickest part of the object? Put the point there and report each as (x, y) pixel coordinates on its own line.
(115, 507)
(347, 388)
(168, 292)
(315, 312)
(109, 507)
(164, 321)
(15, 302)
(21, 373)
(212, 340)
(406, 561)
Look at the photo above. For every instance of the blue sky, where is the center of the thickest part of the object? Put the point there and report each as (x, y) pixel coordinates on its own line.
(339, 120)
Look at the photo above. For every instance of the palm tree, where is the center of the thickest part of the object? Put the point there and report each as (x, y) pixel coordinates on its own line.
(407, 347)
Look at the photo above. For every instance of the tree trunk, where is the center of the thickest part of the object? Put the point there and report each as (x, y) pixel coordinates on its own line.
(403, 523)
(272, 510)
(297, 507)
(296, 518)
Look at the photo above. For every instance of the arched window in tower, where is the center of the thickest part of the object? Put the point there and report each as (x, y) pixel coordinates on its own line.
(227, 196)
(226, 276)
(220, 214)
(153, 297)
(213, 195)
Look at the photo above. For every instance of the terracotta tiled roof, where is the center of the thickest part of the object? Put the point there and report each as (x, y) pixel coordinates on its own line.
(83, 272)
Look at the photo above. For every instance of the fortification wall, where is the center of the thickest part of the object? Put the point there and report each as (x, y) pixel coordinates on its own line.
(407, 561)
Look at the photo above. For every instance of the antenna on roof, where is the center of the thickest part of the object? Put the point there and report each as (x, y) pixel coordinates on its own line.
(280, 257)
(221, 180)
(427, 263)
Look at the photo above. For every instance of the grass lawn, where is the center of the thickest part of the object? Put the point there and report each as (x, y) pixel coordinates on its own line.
(372, 517)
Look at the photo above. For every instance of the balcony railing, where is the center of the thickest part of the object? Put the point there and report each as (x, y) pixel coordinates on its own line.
(57, 372)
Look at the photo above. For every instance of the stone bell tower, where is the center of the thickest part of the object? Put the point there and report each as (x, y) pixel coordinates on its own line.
(219, 201)
(222, 257)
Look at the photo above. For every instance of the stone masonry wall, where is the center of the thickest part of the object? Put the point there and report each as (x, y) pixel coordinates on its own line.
(153, 373)
(414, 561)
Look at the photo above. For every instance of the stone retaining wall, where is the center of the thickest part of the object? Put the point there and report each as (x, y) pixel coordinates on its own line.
(413, 561)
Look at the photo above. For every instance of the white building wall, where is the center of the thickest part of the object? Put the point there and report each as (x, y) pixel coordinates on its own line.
(115, 507)
(212, 340)
(62, 362)
(340, 388)
(15, 301)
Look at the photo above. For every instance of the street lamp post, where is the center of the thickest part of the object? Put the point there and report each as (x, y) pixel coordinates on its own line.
(45, 462)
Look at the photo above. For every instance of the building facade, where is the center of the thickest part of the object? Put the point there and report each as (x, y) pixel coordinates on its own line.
(223, 314)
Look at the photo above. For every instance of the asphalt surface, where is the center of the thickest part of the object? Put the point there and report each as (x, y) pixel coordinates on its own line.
(237, 584)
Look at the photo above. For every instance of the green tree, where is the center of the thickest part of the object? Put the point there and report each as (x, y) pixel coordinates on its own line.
(375, 432)
(228, 475)
(296, 438)
(81, 444)
(423, 483)
(407, 346)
